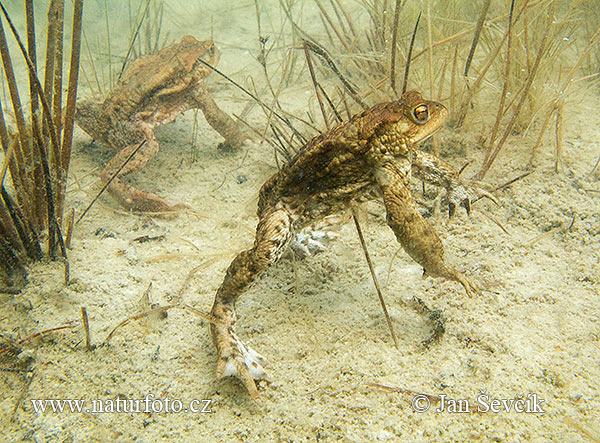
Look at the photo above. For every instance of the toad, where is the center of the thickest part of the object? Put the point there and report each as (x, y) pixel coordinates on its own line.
(154, 90)
(372, 154)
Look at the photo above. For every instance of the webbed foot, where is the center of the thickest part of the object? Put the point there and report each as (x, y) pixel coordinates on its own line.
(310, 242)
(239, 360)
(464, 192)
(140, 201)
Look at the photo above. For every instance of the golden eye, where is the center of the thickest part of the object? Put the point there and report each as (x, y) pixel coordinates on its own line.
(421, 113)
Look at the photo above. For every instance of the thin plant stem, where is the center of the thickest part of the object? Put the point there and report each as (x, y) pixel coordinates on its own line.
(19, 120)
(315, 84)
(559, 135)
(541, 52)
(478, 28)
(431, 83)
(108, 46)
(466, 31)
(57, 75)
(49, 71)
(65, 154)
(409, 56)
(507, 66)
(394, 36)
(109, 181)
(36, 167)
(372, 269)
(563, 88)
(133, 39)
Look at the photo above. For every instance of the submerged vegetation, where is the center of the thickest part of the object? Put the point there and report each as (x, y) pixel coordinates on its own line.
(505, 67)
(509, 73)
(502, 69)
(37, 152)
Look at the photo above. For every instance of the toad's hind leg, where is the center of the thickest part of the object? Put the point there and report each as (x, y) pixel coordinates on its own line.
(129, 196)
(415, 234)
(273, 234)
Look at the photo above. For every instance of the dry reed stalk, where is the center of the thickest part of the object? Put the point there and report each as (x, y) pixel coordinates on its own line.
(474, 88)
(394, 37)
(559, 135)
(109, 181)
(442, 80)
(541, 133)
(466, 31)
(26, 238)
(36, 166)
(100, 85)
(30, 20)
(7, 158)
(108, 45)
(49, 74)
(453, 81)
(7, 228)
(67, 141)
(431, 74)
(507, 66)
(338, 15)
(25, 185)
(315, 84)
(69, 228)
(323, 53)
(35, 159)
(373, 276)
(133, 39)
(12, 345)
(348, 17)
(339, 34)
(477, 33)
(338, 117)
(251, 95)
(86, 328)
(52, 224)
(491, 155)
(409, 56)
(430, 52)
(562, 91)
(58, 23)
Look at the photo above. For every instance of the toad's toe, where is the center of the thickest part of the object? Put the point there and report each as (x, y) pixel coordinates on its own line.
(243, 363)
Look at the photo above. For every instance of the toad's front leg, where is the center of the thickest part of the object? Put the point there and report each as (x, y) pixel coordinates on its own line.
(273, 235)
(415, 234)
(221, 122)
(436, 171)
(129, 196)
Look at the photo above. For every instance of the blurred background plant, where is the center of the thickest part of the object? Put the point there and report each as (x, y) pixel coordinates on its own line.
(502, 68)
(104, 61)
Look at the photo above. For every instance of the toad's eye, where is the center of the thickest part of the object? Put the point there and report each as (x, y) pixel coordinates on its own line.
(421, 113)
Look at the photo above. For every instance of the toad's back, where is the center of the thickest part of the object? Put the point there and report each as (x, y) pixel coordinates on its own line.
(340, 162)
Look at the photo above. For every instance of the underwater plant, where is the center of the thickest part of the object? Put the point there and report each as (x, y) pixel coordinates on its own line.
(503, 68)
(38, 150)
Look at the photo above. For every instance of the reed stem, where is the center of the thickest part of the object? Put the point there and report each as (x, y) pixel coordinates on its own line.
(67, 142)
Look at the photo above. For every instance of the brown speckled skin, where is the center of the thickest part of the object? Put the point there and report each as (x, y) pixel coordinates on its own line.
(371, 154)
(154, 90)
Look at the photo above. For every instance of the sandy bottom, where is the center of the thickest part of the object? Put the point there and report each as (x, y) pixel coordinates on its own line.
(534, 329)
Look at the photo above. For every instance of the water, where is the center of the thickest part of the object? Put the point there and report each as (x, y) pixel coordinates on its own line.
(533, 329)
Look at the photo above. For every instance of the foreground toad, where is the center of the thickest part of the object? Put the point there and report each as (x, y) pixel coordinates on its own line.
(371, 154)
(154, 90)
